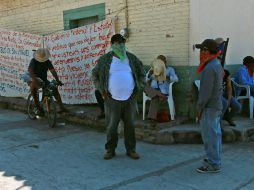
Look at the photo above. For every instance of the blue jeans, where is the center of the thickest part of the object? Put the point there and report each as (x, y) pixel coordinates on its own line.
(234, 105)
(211, 135)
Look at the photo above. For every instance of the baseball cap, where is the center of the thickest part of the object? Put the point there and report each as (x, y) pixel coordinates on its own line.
(208, 44)
(118, 38)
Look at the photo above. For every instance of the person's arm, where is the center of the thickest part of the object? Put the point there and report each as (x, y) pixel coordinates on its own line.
(31, 69)
(229, 89)
(206, 87)
(149, 75)
(53, 72)
(171, 75)
(95, 75)
(31, 73)
(242, 76)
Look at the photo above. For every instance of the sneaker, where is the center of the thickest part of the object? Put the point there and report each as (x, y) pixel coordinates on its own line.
(109, 155)
(208, 169)
(132, 154)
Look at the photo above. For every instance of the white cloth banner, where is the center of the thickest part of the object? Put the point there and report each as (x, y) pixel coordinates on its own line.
(74, 53)
(15, 55)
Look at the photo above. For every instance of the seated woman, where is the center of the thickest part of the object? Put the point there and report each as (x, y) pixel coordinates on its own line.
(228, 101)
(157, 88)
(230, 104)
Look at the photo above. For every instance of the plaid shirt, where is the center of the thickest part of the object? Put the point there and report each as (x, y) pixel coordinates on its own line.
(101, 72)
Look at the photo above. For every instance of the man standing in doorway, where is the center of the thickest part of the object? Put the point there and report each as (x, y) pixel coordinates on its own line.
(119, 76)
(209, 105)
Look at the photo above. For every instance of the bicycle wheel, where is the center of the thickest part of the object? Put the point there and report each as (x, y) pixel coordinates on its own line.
(50, 107)
(31, 108)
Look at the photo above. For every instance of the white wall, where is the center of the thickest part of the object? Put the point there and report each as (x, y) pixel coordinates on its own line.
(223, 18)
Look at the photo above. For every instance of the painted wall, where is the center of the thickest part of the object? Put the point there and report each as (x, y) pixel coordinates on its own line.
(231, 19)
(156, 26)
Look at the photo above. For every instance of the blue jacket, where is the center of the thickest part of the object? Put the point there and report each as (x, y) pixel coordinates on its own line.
(242, 77)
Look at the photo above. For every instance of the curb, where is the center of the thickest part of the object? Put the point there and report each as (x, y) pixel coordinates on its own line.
(173, 132)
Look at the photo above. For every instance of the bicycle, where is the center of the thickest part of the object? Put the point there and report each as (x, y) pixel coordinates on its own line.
(46, 100)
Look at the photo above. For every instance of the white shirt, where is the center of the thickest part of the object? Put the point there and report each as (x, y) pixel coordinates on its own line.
(121, 82)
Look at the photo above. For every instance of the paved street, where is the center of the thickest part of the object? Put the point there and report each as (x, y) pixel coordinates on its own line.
(68, 157)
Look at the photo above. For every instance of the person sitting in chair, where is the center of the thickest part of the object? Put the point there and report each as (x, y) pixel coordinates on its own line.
(157, 88)
(230, 104)
(244, 75)
(228, 101)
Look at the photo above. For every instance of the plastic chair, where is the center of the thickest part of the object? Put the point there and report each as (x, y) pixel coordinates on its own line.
(197, 83)
(247, 96)
(170, 100)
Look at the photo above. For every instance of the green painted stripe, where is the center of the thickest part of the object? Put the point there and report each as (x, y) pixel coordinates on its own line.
(83, 12)
(185, 93)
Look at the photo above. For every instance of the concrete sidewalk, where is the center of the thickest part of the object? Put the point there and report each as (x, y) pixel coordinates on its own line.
(70, 157)
(179, 131)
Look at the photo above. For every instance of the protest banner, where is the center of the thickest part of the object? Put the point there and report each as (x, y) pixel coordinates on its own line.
(74, 53)
(15, 55)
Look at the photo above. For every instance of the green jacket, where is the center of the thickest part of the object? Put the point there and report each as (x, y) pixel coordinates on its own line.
(101, 72)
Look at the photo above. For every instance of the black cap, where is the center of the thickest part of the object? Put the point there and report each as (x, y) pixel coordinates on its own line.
(208, 44)
(248, 59)
(118, 38)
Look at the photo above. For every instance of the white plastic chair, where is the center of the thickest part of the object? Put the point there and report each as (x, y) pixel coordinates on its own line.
(170, 100)
(247, 96)
(197, 83)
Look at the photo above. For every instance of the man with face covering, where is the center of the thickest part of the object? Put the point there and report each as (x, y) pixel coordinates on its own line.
(119, 76)
(209, 105)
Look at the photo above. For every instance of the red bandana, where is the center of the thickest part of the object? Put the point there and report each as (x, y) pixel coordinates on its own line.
(204, 59)
(249, 71)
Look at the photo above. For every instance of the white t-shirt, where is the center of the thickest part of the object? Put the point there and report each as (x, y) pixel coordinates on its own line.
(121, 82)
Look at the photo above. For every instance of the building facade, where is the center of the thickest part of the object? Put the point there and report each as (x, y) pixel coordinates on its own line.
(168, 27)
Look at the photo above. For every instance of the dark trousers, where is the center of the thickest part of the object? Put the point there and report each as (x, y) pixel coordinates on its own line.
(120, 110)
(100, 100)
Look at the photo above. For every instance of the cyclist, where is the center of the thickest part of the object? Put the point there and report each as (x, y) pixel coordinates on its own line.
(38, 67)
